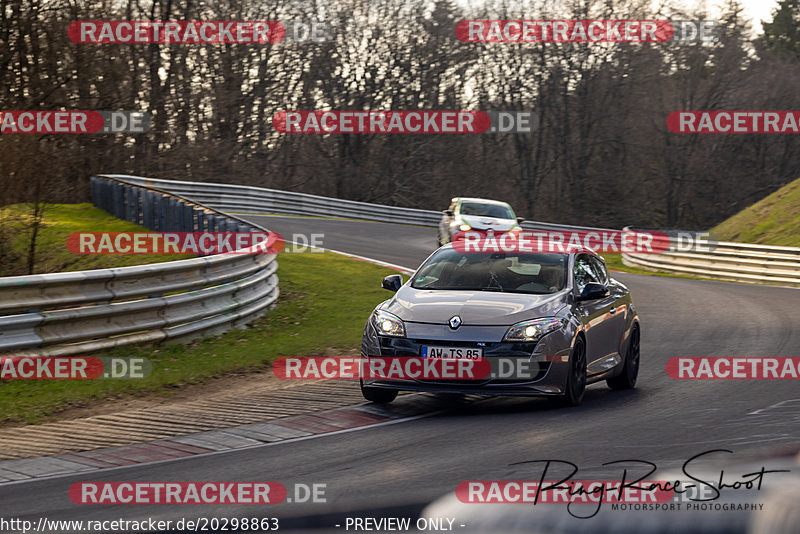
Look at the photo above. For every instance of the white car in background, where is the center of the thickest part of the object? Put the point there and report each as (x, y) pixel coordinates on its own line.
(488, 217)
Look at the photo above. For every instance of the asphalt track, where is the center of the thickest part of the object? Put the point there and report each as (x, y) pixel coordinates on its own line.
(398, 468)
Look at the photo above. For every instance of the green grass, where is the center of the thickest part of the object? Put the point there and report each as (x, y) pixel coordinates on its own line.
(774, 220)
(325, 300)
(52, 255)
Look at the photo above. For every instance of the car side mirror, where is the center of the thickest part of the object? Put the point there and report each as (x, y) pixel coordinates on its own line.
(520, 220)
(393, 282)
(591, 291)
(449, 213)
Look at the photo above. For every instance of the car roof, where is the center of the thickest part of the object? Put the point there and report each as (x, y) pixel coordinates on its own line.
(480, 200)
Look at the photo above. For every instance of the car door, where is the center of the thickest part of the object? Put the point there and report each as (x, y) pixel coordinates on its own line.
(595, 316)
(618, 312)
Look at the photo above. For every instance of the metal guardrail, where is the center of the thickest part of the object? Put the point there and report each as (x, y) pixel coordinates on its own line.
(722, 260)
(62, 314)
(739, 262)
(242, 198)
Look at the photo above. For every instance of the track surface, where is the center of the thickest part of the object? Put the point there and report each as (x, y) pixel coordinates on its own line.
(413, 463)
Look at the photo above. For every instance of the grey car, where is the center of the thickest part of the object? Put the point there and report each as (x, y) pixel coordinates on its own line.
(559, 317)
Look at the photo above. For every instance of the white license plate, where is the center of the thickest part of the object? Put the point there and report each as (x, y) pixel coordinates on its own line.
(466, 353)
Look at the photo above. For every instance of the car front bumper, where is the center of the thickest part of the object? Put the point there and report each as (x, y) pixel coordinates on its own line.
(516, 368)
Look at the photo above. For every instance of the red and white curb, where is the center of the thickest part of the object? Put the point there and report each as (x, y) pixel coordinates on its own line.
(241, 437)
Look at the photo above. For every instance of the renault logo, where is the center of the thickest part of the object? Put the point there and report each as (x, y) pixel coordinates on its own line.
(455, 322)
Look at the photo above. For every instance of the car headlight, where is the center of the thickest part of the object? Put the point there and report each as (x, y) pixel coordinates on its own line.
(388, 324)
(514, 231)
(533, 330)
(465, 227)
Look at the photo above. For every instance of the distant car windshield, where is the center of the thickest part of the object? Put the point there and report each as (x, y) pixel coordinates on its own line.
(497, 211)
(536, 273)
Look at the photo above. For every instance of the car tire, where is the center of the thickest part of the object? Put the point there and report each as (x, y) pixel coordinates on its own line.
(378, 395)
(630, 371)
(576, 379)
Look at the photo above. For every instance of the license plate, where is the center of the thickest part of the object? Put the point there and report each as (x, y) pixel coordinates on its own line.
(466, 353)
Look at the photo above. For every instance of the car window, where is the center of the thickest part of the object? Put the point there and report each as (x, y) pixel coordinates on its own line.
(506, 272)
(584, 272)
(486, 210)
(600, 269)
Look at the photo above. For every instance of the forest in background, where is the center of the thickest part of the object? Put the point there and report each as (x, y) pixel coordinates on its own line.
(602, 155)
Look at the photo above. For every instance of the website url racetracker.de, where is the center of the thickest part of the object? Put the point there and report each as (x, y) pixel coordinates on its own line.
(195, 524)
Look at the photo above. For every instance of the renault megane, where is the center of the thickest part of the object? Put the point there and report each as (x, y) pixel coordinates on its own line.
(560, 314)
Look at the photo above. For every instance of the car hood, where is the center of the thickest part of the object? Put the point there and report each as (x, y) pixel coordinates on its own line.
(485, 223)
(482, 308)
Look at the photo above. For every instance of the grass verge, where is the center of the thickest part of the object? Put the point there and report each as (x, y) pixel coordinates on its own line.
(325, 300)
(52, 255)
(774, 220)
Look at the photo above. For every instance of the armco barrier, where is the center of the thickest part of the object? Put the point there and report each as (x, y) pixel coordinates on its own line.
(241, 198)
(70, 313)
(739, 262)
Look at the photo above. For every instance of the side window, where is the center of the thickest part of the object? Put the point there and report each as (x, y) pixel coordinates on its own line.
(599, 269)
(584, 272)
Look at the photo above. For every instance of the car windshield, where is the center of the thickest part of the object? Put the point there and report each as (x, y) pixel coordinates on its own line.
(535, 273)
(497, 211)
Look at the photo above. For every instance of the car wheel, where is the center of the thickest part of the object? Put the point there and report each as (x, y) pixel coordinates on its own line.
(576, 379)
(378, 395)
(627, 378)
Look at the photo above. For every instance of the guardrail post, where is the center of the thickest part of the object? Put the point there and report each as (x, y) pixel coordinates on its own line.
(127, 204)
(172, 214)
(104, 196)
(180, 216)
(136, 207)
(116, 194)
(161, 213)
(197, 215)
(188, 218)
(147, 210)
(93, 191)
